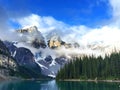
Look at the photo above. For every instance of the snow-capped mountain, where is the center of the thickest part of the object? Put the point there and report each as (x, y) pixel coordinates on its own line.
(32, 36)
(30, 50)
(50, 53)
(8, 66)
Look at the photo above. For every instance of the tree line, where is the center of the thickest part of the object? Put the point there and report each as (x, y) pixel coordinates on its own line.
(91, 67)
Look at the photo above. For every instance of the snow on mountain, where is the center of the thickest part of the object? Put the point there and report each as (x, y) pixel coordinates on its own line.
(32, 36)
(51, 52)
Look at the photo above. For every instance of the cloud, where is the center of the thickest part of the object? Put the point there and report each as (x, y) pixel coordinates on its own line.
(45, 24)
(80, 33)
(107, 35)
(3, 18)
(116, 7)
(4, 32)
(48, 24)
(115, 10)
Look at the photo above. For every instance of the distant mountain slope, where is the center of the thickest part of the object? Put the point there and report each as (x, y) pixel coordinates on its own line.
(46, 55)
(8, 66)
(27, 67)
(32, 36)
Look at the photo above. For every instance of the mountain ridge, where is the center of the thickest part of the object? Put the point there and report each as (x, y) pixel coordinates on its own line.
(50, 53)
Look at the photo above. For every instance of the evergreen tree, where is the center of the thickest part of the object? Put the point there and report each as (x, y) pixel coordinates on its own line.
(90, 67)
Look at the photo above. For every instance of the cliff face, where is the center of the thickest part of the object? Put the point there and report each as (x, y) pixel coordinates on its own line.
(54, 44)
(55, 41)
(3, 48)
(27, 67)
(28, 30)
(32, 36)
(8, 66)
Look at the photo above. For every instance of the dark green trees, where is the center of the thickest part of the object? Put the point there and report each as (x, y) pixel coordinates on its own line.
(92, 67)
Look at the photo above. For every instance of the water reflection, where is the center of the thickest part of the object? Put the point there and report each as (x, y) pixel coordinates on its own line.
(53, 85)
(28, 85)
(88, 86)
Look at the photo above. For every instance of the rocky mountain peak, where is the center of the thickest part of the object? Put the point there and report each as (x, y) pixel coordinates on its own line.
(32, 36)
(54, 41)
(28, 29)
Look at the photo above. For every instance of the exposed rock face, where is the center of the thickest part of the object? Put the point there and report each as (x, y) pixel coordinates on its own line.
(55, 41)
(5, 58)
(54, 44)
(3, 48)
(49, 69)
(25, 59)
(24, 56)
(30, 39)
(49, 59)
(50, 66)
(7, 63)
(33, 36)
(11, 47)
(28, 30)
(61, 60)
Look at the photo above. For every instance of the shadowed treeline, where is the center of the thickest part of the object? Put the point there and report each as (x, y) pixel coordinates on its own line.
(92, 68)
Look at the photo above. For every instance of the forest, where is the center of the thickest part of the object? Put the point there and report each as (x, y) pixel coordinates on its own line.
(91, 67)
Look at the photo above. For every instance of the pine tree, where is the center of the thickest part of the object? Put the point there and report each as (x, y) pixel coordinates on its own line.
(92, 67)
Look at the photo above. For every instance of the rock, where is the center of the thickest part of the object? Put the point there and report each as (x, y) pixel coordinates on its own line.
(8, 66)
(3, 48)
(33, 36)
(54, 42)
(11, 47)
(48, 59)
(61, 60)
(24, 56)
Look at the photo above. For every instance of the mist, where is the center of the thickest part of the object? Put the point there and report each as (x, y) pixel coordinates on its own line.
(92, 40)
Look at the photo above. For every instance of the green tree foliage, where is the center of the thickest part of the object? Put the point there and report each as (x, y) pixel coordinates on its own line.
(90, 67)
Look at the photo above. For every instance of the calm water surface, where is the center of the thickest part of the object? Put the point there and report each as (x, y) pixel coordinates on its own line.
(53, 85)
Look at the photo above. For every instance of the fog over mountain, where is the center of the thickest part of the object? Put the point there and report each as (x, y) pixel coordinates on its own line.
(105, 35)
(53, 42)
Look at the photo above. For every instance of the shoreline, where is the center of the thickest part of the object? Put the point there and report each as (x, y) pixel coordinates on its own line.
(74, 80)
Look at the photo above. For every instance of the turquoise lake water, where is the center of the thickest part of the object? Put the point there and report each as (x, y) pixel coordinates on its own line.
(53, 85)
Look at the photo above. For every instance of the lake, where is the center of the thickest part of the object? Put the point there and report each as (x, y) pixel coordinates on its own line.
(61, 85)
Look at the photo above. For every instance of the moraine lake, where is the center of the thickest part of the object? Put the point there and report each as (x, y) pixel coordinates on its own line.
(61, 85)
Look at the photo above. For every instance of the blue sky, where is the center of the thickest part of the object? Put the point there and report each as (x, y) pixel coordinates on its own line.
(83, 21)
(72, 12)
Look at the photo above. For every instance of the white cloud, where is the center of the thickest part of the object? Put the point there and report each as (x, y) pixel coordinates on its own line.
(105, 34)
(69, 33)
(116, 7)
(108, 34)
(49, 24)
(45, 24)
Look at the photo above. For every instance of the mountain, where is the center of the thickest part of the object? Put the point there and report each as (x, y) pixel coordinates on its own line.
(51, 66)
(8, 65)
(32, 36)
(3, 48)
(37, 65)
(55, 41)
(27, 66)
(26, 53)
(39, 56)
